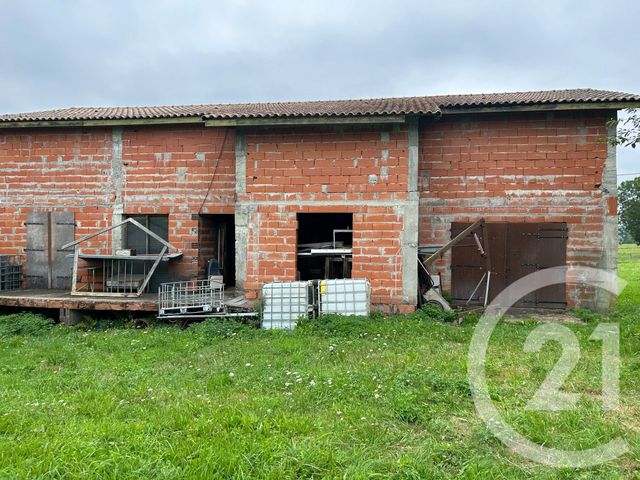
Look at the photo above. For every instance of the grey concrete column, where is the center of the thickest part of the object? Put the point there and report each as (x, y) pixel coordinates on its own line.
(242, 212)
(411, 222)
(241, 162)
(609, 258)
(117, 180)
(70, 317)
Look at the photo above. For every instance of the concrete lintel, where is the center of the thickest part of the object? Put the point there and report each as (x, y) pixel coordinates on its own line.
(326, 203)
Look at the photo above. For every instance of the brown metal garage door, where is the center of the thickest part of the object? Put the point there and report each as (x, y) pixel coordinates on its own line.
(515, 249)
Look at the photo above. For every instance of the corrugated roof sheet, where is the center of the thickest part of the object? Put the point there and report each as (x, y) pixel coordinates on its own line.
(323, 108)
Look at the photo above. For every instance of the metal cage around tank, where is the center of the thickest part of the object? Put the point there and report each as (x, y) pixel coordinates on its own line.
(195, 296)
(10, 272)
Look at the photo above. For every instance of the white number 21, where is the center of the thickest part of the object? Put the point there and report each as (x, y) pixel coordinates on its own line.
(549, 397)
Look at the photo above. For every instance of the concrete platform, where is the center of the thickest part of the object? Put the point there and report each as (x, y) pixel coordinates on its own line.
(55, 299)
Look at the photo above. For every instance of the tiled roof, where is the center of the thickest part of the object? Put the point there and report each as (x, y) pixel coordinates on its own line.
(587, 95)
(327, 108)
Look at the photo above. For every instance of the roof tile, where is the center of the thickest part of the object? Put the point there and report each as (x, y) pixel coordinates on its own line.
(324, 108)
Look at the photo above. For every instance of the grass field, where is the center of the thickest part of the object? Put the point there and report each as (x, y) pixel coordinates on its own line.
(341, 398)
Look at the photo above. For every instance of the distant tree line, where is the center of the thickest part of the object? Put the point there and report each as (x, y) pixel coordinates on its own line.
(628, 135)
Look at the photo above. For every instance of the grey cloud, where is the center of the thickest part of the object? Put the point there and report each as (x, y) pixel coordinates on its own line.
(99, 52)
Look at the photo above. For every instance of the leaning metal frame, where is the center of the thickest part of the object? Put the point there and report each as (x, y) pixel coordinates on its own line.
(76, 254)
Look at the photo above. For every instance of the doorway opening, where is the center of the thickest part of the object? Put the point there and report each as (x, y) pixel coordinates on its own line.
(324, 245)
(217, 244)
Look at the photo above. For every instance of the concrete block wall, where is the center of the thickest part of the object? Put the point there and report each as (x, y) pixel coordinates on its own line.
(538, 167)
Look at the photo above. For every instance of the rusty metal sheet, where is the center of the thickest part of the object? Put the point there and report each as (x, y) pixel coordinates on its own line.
(523, 256)
(467, 267)
(552, 252)
(516, 250)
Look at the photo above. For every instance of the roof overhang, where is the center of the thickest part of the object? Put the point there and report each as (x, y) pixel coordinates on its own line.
(316, 120)
(542, 107)
(112, 122)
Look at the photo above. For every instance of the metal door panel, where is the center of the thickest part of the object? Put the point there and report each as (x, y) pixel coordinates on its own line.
(37, 261)
(62, 232)
(46, 265)
(516, 250)
(552, 252)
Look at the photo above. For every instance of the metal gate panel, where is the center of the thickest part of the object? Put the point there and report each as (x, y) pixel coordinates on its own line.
(62, 232)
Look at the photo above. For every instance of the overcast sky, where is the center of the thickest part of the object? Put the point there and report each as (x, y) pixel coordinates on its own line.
(98, 53)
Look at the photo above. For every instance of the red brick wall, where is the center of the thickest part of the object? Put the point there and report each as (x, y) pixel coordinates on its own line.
(516, 168)
(167, 170)
(53, 170)
(536, 167)
(353, 170)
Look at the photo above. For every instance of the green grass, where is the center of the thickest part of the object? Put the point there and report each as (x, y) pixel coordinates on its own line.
(341, 398)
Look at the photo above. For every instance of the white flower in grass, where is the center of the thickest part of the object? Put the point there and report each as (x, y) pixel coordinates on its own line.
(339, 412)
(270, 379)
(312, 383)
(231, 374)
(248, 365)
(376, 396)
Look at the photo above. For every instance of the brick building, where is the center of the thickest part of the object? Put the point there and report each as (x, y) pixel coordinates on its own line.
(248, 183)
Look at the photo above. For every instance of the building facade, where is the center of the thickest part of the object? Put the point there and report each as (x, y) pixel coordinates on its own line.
(247, 184)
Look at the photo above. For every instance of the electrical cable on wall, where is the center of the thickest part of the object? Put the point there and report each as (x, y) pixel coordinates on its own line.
(215, 169)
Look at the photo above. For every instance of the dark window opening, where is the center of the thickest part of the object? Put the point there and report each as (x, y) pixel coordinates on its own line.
(217, 243)
(144, 244)
(324, 245)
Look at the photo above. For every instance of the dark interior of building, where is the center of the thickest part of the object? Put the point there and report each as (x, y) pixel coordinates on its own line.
(324, 245)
